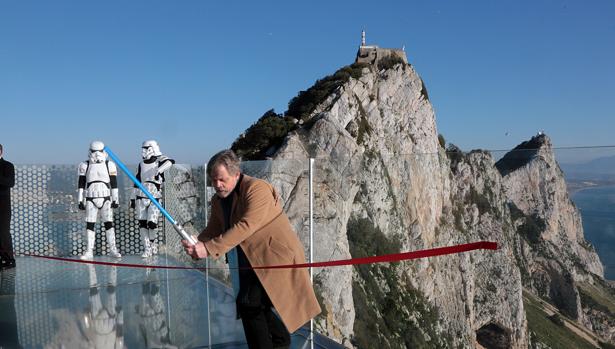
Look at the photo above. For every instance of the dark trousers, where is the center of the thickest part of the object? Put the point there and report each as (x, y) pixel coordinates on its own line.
(262, 327)
(6, 242)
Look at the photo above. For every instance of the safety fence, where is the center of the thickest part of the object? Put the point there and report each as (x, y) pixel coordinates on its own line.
(46, 221)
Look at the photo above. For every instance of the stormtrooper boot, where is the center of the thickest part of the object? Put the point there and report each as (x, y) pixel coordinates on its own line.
(146, 243)
(89, 251)
(113, 252)
(154, 246)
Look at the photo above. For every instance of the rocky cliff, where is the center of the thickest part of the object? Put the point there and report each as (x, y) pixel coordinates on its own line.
(384, 183)
(556, 262)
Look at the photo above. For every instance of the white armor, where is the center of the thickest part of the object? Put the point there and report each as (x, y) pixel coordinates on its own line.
(103, 322)
(98, 194)
(150, 173)
(153, 324)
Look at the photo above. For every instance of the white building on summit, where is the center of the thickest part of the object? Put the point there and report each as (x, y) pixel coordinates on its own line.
(372, 54)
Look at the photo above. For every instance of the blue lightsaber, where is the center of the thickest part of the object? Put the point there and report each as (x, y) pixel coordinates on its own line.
(178, 228)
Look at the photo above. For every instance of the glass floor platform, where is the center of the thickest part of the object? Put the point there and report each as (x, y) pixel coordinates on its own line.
(47, 303)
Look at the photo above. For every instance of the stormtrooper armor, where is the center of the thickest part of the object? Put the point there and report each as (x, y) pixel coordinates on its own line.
(98, 194)
(153, 324)
(150, 173)
(103, 321)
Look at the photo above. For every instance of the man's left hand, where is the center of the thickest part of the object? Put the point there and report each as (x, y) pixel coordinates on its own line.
(197, 250)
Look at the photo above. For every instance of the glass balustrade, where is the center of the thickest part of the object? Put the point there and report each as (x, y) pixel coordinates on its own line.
(361, 206)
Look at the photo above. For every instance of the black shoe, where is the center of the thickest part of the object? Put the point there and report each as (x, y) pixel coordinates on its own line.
(8, 264)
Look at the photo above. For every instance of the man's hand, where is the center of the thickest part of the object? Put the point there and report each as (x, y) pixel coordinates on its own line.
(115, 204)
(195, 251)
(132, 203)
(81, 206)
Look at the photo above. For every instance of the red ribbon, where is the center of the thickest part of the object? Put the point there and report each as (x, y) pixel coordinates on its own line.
(395, 257)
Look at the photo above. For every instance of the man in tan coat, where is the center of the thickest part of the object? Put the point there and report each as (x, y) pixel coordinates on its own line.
(248, 223)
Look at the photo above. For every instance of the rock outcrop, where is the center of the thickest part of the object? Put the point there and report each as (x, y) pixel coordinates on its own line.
(556, 261)
(384, 184)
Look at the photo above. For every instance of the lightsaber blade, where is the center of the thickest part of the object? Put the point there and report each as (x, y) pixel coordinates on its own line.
(178, 228)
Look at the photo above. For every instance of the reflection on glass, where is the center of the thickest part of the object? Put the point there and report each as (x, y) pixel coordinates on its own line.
(153, 325)
(103, 320)
(9, 337)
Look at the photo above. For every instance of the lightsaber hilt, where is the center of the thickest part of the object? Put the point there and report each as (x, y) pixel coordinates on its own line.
(178, 228)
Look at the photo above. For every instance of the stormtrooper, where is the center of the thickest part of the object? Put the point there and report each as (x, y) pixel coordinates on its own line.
(153, 325)
(150, 173)
(98, 194)
(103, 321)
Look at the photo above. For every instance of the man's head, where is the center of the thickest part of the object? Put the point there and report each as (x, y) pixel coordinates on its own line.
(224, 171)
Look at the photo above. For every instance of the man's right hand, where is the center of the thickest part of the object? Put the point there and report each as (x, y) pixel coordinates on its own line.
(132, 203)
(81, 206)
(195, 251)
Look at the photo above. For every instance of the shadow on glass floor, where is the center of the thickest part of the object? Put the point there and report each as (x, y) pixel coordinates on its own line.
(58, 304)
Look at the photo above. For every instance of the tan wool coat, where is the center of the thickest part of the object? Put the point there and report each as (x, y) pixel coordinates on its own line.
(264, 233)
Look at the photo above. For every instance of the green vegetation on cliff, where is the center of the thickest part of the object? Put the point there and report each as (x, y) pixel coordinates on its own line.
(389, 62)
(268, 133)
(390, 313)
(531, 226)
(549, 330)
(302, 105)
(263, 136)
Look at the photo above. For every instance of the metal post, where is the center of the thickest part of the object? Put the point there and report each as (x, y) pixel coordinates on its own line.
(206, 209)
(311, 204)
(166, 255)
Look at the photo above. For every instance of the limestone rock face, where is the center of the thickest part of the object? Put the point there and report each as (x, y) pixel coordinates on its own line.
(556, 259)
(377, 157)
(538, 188)
(382, 182)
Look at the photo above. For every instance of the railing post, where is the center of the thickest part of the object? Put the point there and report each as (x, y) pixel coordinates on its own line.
(206, 212)
(311, 204)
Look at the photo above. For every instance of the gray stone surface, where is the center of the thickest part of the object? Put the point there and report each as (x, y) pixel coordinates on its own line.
(377, 156)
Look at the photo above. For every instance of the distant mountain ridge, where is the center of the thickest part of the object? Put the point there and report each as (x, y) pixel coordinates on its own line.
(600, 169)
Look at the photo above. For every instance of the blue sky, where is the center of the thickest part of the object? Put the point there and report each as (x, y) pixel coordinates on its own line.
(195, 74)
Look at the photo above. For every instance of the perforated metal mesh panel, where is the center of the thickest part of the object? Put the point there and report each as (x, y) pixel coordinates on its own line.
(184, 195)
(47, 221)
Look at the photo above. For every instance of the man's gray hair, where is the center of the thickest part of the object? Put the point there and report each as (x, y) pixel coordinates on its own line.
(226, 158)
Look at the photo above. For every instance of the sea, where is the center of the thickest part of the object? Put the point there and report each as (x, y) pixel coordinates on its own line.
(597, 207)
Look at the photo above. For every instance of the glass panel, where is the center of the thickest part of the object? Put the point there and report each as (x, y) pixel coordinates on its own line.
(156, 302)
(131, 302)
(46, 220)
(46, 303)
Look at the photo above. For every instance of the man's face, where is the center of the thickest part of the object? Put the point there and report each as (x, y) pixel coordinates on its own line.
(222, 181)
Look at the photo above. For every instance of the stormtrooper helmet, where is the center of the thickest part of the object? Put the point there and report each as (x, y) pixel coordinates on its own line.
(97, 152)
(150, 148)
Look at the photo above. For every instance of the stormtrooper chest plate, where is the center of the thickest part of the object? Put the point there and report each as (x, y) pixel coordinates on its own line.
(98, 181)
(150, 178)
(149, 172)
